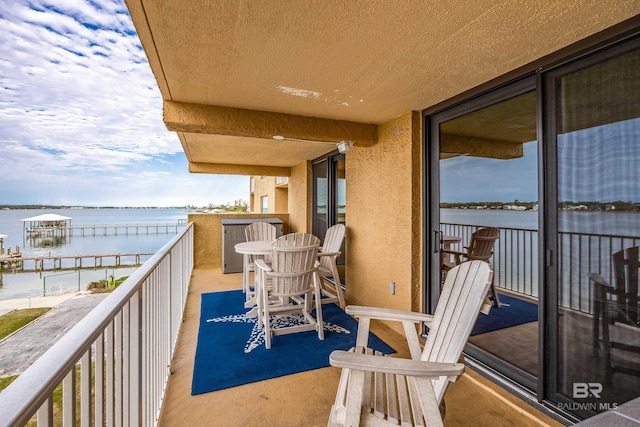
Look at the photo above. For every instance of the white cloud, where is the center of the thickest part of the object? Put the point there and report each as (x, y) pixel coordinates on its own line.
(78, 101)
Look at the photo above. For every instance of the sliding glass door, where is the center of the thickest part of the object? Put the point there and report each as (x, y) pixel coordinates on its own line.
(552, 160)
(486, 163)
(593, 128)
(329, 198)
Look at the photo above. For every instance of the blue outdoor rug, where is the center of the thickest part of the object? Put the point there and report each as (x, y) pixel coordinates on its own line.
(231, 352)
(512, 312)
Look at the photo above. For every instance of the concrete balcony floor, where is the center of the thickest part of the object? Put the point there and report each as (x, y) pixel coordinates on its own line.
(304, 399)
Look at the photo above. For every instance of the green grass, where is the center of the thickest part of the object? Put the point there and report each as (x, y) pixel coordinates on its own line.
(4, 382)
(57, 398)
(102, 286)
(15, 320)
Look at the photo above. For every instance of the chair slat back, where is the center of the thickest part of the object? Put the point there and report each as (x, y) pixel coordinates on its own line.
(625, 265)
(260, 231)
(462, 295)
(332, 243)
(482, 242)
(293, 263)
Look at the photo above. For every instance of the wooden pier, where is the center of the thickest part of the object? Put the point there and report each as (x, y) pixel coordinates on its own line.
(104, 230)
(55, 263)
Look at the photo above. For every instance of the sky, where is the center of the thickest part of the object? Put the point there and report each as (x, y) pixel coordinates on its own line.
(597, 164)
(477, 179)
(81, 114)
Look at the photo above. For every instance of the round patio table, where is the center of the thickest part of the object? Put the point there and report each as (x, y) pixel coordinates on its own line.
(256, 247)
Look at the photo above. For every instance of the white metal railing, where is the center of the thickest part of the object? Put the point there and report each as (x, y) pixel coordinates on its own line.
(113, 366)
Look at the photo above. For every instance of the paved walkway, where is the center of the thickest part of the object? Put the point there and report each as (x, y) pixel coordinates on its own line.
(20, 350)
(7, 306)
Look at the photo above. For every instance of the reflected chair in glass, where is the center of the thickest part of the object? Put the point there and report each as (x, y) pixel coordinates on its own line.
(480, 248)
(617, 312)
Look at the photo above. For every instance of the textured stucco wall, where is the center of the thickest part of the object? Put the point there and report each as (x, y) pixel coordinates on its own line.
(300, 195)
(383, 217)
(207, 251)
(281, 198)
(264, 186)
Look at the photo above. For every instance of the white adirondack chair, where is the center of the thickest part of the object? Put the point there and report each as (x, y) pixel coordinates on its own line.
(328, 267)
(379, 390)
(293, 274)
(254, 232)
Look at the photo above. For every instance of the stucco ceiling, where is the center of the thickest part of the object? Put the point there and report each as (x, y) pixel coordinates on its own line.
(356, 62)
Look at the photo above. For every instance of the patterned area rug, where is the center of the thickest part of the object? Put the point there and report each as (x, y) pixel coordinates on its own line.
(231, 352)
(512, 312)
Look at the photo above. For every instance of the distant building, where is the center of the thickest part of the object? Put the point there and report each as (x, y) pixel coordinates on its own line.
(268, 194)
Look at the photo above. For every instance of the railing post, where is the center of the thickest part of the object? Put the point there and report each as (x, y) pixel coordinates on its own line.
(135, 358)
(45, 413)
(69, 399)
(85, 389)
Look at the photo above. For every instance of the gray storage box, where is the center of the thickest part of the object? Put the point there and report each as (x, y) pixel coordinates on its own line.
(232, 233)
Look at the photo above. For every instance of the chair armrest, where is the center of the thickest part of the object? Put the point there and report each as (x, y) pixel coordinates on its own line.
(259, 263)
(598, 279)
(329, 253)
(388, 314)
(453, 252)
(393, 365)
(285, 275)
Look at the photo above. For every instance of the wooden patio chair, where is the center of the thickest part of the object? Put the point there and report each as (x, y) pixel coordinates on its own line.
(480, 248)
(379, 390)
(254, 232)
(328, 266)
(618, 304)
(293, 274)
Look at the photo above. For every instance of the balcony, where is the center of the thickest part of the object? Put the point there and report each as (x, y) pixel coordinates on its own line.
(149, 360)
(134, 334)
(282, 182)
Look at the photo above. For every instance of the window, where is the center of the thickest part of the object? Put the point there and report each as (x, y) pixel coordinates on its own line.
(264, 200)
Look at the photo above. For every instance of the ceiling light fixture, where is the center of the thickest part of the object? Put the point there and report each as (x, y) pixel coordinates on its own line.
(343, 146)
(284, 138)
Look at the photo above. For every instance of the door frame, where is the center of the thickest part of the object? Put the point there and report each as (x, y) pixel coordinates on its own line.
(432, 218)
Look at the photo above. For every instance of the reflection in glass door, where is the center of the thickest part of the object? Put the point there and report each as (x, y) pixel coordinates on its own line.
(329, 199)
(320, 198)
(595, 126)
(488, 163)
(578, 349)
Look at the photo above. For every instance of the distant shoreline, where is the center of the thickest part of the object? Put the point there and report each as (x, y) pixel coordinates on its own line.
(615, 206)
(38, 207)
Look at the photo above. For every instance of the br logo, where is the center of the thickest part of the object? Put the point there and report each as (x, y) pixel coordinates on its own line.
(584, 390)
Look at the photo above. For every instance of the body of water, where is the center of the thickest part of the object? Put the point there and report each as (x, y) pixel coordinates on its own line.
(21, 285)
(612, 223)
(586, 242)
(490, 218)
